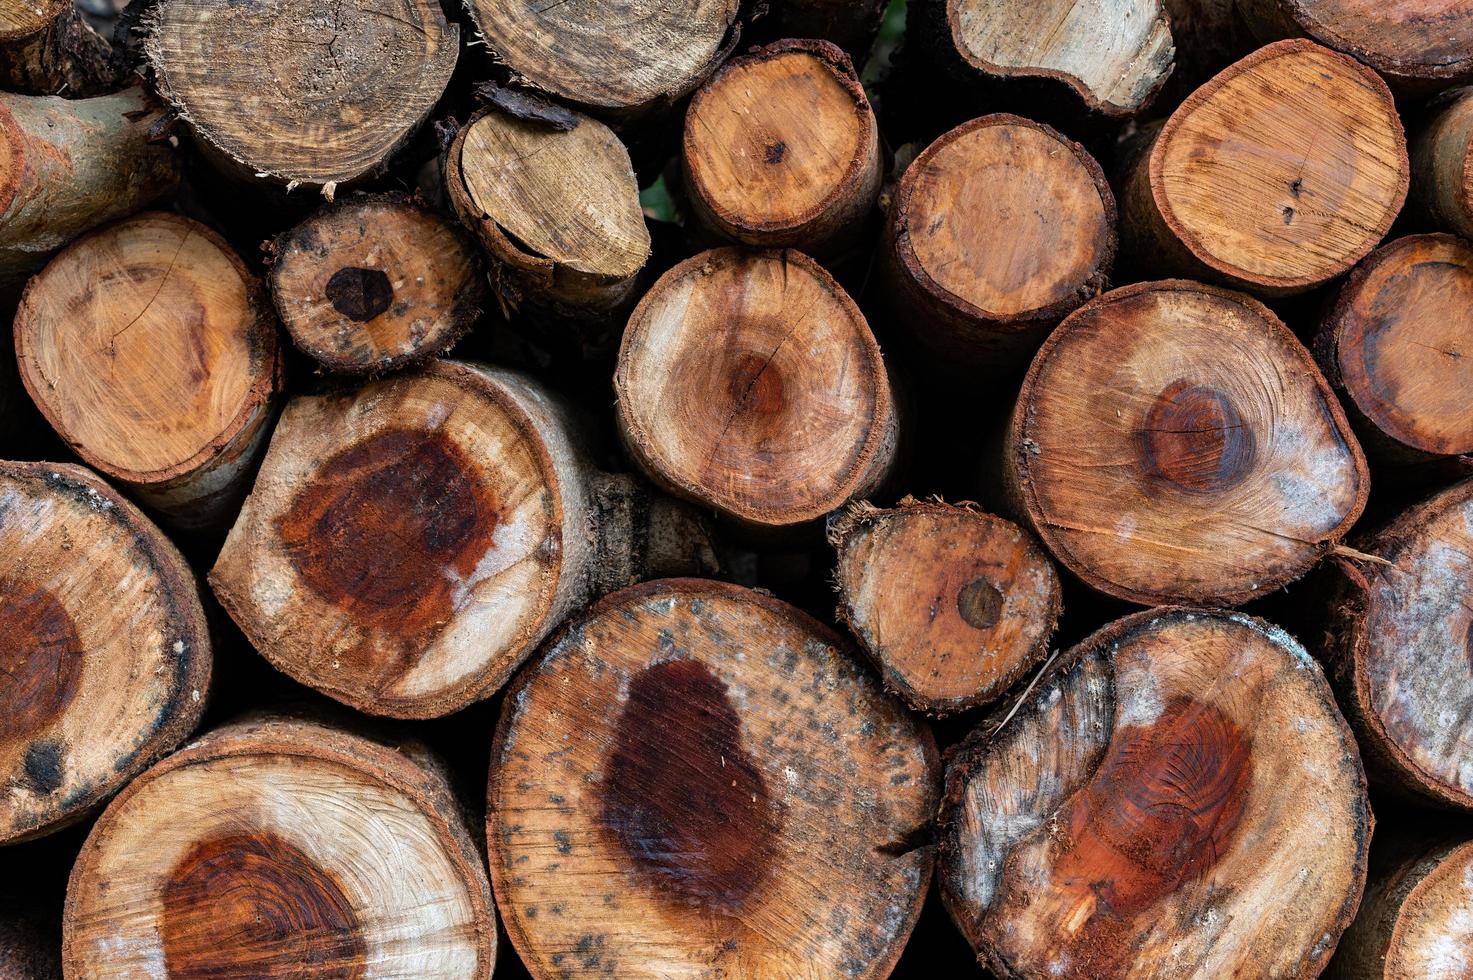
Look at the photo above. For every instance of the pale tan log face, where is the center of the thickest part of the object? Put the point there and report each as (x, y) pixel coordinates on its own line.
(1146, 814)
(1433, 934)
(698, 781)
(1285, 169)
(281, 849)
(1175, 442)
(304, 90)
(104, 654)
(750, 382)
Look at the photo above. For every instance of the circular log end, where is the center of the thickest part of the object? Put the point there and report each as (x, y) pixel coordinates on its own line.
(724, 398)
(661, 791)
(1175, 442)
(1431, 40)
(1283, 170)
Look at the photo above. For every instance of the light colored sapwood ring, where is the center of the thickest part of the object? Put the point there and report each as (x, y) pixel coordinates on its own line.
(1414, 921)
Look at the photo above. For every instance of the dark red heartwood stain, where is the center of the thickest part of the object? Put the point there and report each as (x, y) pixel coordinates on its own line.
(252, 905)
(1194, 438)
(360, 294)
(979, 603)
(757, 386)
(681, 796)
(40, 659)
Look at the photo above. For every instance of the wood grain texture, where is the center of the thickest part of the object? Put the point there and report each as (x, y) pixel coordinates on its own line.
(695, 780)
(1143, 813)
(47, 48)
(1442, 163)
(282, 848)
(106, 659)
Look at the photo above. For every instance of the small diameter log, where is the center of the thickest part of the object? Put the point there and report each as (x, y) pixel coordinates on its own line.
(46, 48)
(151, 349)
(303, 92)
(951, 604)
(850, 24)
(1442, 164)
(105, 661)
(782, 149)
(1399, 346)
(1281, 172)
(1179, 798)
(1399, 640)
(698, 780)
(558, 211)
(282, 848)
(997, 231)
(376, 283)
(69, 166)
(496, 527)
(1113, 55)
(1174, 442)
(618, 58)
(750, 383)
(1414, 921)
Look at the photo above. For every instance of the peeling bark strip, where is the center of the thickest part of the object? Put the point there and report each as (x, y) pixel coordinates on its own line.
(470, 483)
(376, 283)
(750, 383)
(558, 210)
(310, 92)
(1174, 442)
(279, 848)
(151, 349)
(951, 604)
(1400, 641)
(1278, 174)
(104, 651)
(782, 149)
(1442, 164)
(46, 48)
(1399, 345)
(1144, 815)
(997, 231)
(66, 167)
(616, 58)
(696, 779)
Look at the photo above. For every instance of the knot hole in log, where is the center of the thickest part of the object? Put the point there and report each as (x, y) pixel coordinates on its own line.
(979, 603)
(40, 659)
(1195, 438)
(360, 294)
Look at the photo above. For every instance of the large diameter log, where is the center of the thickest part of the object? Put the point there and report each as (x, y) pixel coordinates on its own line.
(1113, 55)
(1398, 345)
(46, 48)
(698, 780)
(69, 166)
(1442, 164)
(997, 231)
(557, 210)
(1399, 639)
(1174, 442)
(951, 604)
(151, 349)
(782, 149)
(750, 383)
(499, 526)
(106, 655)
(282, 848)
(1179, 798)
(303, 92)
(619, 59)
(376, 283)
(1281, 172)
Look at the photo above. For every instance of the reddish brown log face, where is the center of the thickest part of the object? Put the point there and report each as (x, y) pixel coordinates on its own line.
(1194, 438)
(42, 659)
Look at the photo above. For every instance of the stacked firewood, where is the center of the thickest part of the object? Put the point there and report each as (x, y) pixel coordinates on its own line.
(723, 489)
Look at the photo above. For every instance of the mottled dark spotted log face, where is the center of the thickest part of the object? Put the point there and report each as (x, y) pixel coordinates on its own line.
(252, 905)
(681, 796)
(40, 659)
(1194, 438)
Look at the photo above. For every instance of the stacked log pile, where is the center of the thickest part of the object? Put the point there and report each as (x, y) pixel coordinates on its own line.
(736, 489)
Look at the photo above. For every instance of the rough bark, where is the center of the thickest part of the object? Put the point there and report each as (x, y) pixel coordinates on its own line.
(151, 349)
(1179, 798)
(1442, 164)
(730, 795)
(46, 48)
(107, 655)
(1174, 442)
(275, 848)
(500, 528)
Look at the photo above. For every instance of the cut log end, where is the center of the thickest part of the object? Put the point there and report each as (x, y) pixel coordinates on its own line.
(21, 20)
(1175, 442)
(725, 399)
(1442, 163)
(107, 656)
(1142, 814)
(376, 283)
(47, 48)
(1414, 921)
(1419, 46)
(271, 848)
(953, 605)
(782, 148)
(663, 795)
